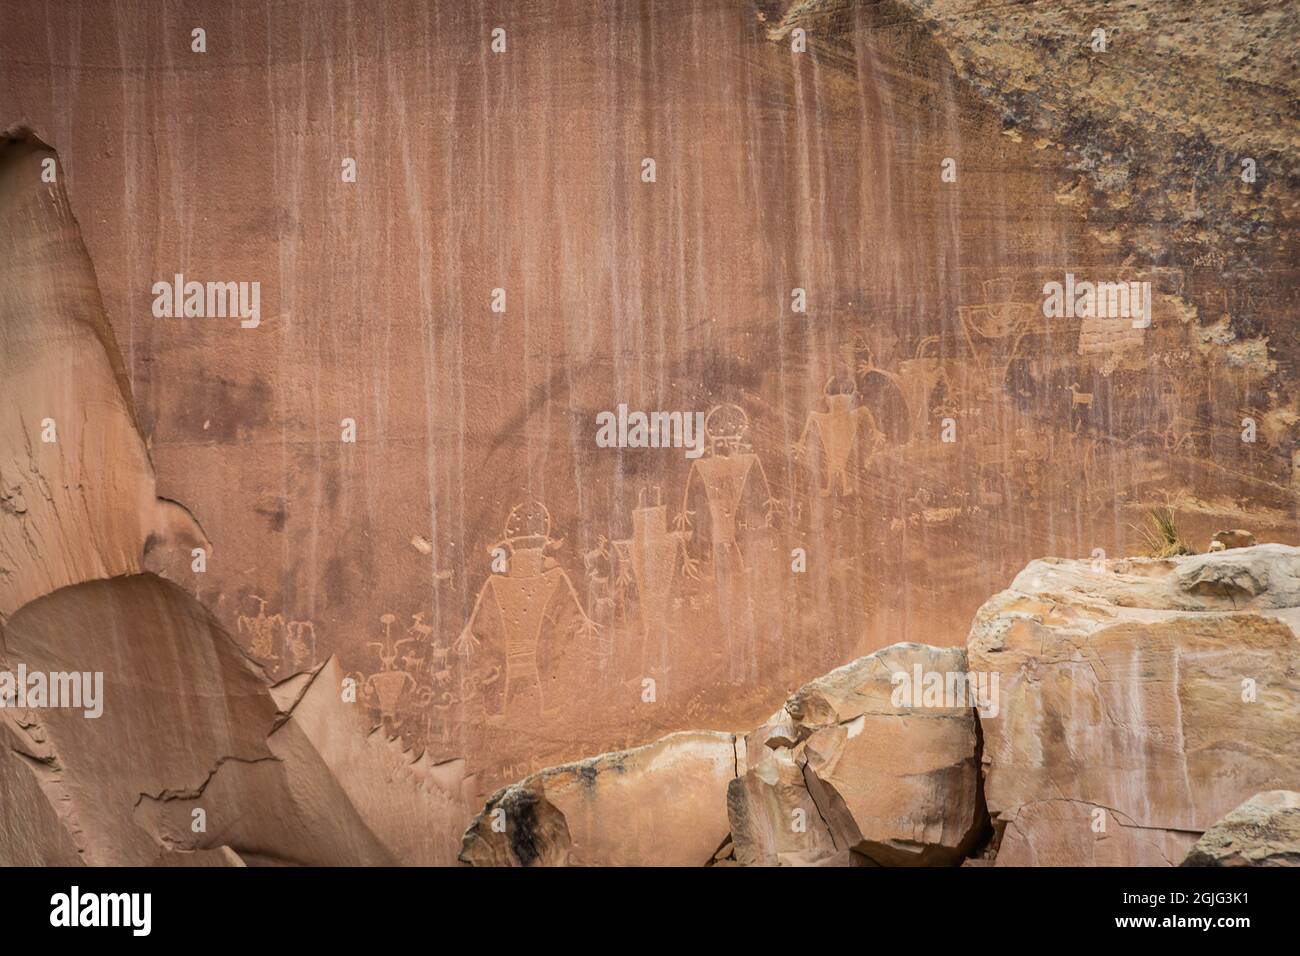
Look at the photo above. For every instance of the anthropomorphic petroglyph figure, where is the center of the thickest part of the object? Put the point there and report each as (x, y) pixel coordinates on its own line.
(282, 645)
(845, 432)
(387, 687)
(263, 629)
(654, 555)
(995, 328)
(1078, 401)
(300, 643)
(520, 601)
(604, 591)
(895, 404)
(724, 472)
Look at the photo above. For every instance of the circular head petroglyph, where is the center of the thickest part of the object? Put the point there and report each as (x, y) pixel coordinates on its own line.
(527, 521)
(726, 422)
(840, 385)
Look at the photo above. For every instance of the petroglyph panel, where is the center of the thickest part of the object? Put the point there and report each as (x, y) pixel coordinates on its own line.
(398, 466)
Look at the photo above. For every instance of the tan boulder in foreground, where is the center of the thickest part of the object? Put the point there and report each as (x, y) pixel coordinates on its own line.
(851, 771)
(773, 817)
(664, 804)
(875, 773)
(1140, 701)
(1263, 831)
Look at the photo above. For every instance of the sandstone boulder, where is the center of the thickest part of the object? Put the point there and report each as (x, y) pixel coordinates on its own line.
(876, 763)
(773, 817)
(878, 772)
(664, 804)
(1140, 701)
(1263, 831)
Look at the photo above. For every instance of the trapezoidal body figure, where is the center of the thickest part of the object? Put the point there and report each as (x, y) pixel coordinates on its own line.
(522, 629)
(733, 484)
(841, 435)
